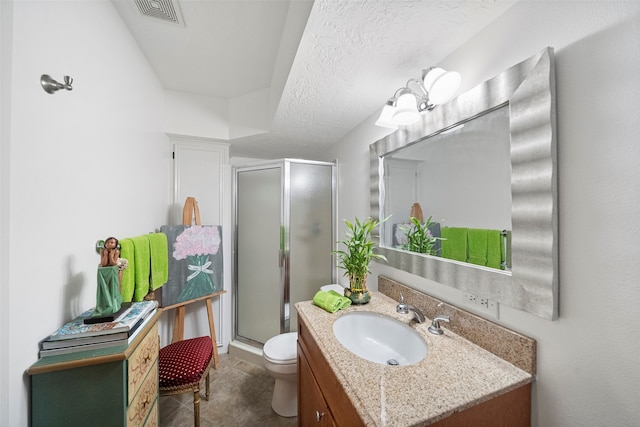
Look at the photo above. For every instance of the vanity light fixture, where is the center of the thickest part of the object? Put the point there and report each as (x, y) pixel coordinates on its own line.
(437, 86)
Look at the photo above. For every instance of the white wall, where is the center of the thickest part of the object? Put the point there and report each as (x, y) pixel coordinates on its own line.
(6, 28)
(77, 166)
(587, 360)
(195, 115)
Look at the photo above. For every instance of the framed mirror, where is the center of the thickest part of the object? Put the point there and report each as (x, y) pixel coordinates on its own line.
(486, 161)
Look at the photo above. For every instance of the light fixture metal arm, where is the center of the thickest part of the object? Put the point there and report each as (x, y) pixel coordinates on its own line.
(423, 98)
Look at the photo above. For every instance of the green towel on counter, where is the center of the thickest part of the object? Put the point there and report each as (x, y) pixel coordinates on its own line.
(495, 249)
(159, 250)
(331, 301)
(455, 245)
(478, 246)
(128, 275)
(142, 266)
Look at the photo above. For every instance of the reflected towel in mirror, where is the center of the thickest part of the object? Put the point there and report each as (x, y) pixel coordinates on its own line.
(455, 245)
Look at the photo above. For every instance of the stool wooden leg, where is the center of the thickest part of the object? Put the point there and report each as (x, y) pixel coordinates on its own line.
(196, 406)
(207, 387)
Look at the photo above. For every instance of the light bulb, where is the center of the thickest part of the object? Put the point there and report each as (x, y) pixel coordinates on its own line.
(441, 85)
(406, 110)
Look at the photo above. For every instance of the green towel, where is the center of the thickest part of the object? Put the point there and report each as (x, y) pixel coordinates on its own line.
(495, 249)
(455, 245)
(478, 246)
(128, 275)
(331, 301)
(142, 267)
(159, 260)
(346, 302)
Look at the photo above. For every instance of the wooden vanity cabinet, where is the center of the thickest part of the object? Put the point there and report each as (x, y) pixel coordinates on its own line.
(511, 409)
(313, 409)
(110, 387)
(322, 400)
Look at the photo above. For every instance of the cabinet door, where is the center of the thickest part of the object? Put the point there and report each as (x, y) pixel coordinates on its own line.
(86, 396)
(201, 170)
(312, 408)
(198, 172)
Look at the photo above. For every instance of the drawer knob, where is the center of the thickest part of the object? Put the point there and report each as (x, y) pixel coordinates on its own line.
(319, 415)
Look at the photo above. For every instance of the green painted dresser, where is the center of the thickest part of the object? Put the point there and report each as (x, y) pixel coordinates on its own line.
(111, 387)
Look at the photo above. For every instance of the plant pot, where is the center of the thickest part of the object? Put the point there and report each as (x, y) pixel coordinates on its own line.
(358, 297)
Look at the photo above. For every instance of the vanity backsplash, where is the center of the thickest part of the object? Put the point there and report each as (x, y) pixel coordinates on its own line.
(515, 348)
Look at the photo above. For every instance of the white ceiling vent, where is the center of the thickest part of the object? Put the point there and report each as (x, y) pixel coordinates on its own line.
(163, 10)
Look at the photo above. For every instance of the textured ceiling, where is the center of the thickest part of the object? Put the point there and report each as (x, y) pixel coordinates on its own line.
(351, 58)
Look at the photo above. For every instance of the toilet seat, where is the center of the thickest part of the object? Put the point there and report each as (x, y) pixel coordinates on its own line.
(282, 349)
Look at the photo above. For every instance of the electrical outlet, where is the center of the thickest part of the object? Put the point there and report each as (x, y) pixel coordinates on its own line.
(481, 304)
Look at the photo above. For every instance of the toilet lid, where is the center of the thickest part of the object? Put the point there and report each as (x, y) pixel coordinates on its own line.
(282, 348)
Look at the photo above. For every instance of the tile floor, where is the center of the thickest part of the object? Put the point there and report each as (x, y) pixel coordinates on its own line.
(240, 396)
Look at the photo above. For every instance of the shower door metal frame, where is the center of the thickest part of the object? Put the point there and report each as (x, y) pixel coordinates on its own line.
(285, 212)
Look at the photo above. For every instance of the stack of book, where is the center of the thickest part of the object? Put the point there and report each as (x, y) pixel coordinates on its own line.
(76, 336)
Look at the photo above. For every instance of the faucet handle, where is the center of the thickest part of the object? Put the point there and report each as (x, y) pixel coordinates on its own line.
(402, 308)
(435, 324)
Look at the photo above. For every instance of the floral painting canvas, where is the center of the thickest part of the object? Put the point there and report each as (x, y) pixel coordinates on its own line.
(195, 262)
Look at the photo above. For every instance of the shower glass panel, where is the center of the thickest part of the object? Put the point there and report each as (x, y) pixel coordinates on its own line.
(259, 201)
(285, 232)
(310, 232)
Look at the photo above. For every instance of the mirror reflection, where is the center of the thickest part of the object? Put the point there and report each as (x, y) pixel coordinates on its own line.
(449, 195)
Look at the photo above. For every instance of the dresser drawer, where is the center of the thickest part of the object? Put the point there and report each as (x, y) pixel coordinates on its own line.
(144, 400)
(152, 419)
(141, 361)
(111, 387)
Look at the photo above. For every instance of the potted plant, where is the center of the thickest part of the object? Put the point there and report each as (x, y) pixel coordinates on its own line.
(419, 237)
(355, 258)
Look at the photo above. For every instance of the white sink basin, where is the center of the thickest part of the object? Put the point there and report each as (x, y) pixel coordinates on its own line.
(379, 338)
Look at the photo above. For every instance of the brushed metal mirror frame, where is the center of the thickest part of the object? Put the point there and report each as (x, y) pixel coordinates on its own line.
(528, 89)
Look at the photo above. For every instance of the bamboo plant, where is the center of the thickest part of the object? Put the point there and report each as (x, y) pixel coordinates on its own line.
(355, 258)
(419, 237)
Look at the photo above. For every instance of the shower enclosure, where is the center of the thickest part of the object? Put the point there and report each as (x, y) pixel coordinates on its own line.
(284, 235)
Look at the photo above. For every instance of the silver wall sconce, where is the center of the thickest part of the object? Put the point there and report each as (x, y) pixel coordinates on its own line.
(51, 86)
(437, 86)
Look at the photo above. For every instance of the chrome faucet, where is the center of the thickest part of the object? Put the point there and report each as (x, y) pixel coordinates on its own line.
(435, 324)
(404, 308)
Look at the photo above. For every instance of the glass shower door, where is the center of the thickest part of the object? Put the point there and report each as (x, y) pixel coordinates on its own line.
(259, 218)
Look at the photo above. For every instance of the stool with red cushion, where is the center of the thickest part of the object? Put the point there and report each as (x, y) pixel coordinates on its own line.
(182, 366)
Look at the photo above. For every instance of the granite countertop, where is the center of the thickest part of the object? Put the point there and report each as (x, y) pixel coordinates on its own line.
(455, 374)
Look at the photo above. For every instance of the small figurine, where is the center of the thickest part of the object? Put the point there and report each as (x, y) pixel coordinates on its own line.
(110, 253)
(109, 294)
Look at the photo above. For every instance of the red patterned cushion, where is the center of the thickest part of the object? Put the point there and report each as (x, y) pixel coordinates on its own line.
(183, 363)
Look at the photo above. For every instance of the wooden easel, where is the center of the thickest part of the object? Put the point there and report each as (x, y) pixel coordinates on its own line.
(191, 213)
(178, 322)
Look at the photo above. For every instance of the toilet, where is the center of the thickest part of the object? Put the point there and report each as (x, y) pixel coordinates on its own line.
(280, 355)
